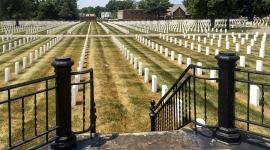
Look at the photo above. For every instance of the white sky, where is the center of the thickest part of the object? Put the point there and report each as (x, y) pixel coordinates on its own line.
(94, 3)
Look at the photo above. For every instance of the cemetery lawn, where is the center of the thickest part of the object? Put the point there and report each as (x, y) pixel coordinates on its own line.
(168, 71)
(122, 98)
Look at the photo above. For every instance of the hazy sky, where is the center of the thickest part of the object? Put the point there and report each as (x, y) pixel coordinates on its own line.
(94, 3)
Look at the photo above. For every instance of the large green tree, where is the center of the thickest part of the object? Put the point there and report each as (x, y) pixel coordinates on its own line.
(16, 9)
(227, 9)
(155, 7)
(68, 10)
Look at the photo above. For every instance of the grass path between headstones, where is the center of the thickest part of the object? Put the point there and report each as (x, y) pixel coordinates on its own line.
(122, 99)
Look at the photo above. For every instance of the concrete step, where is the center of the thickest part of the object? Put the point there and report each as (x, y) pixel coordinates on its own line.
(184, 139)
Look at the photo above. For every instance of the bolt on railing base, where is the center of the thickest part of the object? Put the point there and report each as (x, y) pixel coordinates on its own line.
(228, 136)
(65, 143)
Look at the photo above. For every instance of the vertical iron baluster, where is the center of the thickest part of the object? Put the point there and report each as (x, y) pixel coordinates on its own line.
(9, 120)
(248, 103)
(47, 112)
(171, 112)
(262, 102)
(180, 110)
(35, 113)
(163, 117)
(194, 93)
(23, 118)
(157, 117)
(83, 106)
(175, 113)
(186, 96)
(183, 105)
(189, 99)
(92, 104)
(166, 121)
(204, 83)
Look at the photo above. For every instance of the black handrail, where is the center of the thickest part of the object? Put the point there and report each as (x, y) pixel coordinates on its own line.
(172, 87)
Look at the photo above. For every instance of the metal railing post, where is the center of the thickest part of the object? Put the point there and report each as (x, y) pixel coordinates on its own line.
(152, 115)
(226, 132)
(66, 139)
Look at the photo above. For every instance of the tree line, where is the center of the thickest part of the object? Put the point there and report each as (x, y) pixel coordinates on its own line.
(212, 9)
(154, 7)
(38, 9)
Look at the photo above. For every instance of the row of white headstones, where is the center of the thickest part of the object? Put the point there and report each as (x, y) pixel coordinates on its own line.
(126, 31)
(77, 25)
(32, 57)
(29, 26)
(75, 88)
(146, 73)
(104, 28)
(17, 43)
(259, 63)
(255, 93)
(184, 26)
(58, 28)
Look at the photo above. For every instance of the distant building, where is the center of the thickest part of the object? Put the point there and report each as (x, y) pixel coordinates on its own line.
(132, 14)
(87, 17)
(106, 15)
(177, 11)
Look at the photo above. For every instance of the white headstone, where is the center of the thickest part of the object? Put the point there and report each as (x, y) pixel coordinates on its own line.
(242, 61)
(199, 70)
(213, 75)
(261, 53)
(207, 51)
(188, 61)
(140, 69)
(161, 49)
(154, 83)
(146, 75)
(248, 49)
(199, 48)
(259, 65)
(237, 47)
(254, 95)
(180, 59)
(7, 74)
(166, 52)
(24, 62)
(17, 68)
(164, 90)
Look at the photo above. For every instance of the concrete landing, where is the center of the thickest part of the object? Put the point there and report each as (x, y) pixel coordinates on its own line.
(184, 139)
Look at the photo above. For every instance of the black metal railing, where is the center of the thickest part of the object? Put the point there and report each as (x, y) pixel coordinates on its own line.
(195, 98)
(178, 107)
(92, 106)
(254, 119)
(38, 112)
(15, 107)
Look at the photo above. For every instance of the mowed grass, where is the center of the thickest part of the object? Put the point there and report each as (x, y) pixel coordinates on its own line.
(122, 99)
(148, 56)
(70, 47)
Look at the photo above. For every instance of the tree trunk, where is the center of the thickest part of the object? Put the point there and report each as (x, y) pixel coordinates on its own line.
(212, 22)
(17, 23)
(228, 23)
